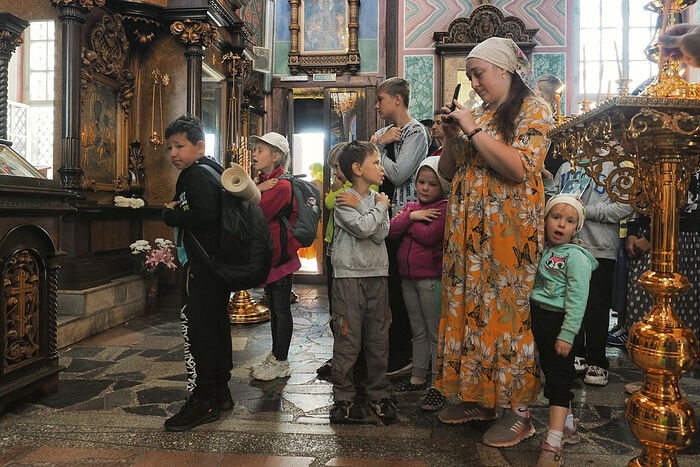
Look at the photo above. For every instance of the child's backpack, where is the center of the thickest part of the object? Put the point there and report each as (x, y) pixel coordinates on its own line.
(305, 228)
(244, 256)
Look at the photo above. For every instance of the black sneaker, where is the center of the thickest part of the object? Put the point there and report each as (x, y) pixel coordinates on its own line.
(195, 412)
(324, 371)
(340, 412)
(224, 399)
(384, 408)
(407, 386)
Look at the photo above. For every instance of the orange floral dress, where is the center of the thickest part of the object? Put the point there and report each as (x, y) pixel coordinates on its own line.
(493, 240)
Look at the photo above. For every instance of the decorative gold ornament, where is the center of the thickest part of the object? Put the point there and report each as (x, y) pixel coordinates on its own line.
(194, 32)
(653, 145)
(9, 42)
(107, 56)
(87, 4)
(669, 83)
(159, 80)
(242, 309)
(20, 310)
(623, 86)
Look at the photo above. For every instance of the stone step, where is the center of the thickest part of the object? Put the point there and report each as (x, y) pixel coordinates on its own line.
(84, 313)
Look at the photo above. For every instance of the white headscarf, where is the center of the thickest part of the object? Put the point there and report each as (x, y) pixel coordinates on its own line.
(506, 54)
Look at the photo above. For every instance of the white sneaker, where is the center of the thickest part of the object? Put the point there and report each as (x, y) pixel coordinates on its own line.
(268, 357)
(272, 370)
(596, 376)
(580, 364)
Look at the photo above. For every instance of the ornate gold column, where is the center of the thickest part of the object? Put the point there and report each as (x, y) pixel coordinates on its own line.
(195, 36)
(654, 144)
(72, 16)
(11, 28)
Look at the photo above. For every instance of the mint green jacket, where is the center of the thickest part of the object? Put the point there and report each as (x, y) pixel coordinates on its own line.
(561, 284)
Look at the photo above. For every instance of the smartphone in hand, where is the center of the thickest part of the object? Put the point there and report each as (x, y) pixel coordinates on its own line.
(452, 106)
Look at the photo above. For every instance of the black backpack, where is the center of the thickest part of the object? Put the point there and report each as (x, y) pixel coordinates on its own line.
(244, 256)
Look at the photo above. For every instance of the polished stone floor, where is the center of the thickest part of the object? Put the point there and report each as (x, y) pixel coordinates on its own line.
(119, 386)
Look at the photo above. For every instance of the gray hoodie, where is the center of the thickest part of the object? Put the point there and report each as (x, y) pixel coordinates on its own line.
(601, 232)
(358, 247)
(410, 150)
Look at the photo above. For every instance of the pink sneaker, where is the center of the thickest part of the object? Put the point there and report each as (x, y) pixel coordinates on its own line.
(550, 456)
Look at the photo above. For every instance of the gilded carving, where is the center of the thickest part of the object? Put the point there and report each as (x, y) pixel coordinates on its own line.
(8, 43)
(107, 55)
(141, 30)
(20, 310)
(194, 32)
(87, 4)
(484, 22)
(134, 181)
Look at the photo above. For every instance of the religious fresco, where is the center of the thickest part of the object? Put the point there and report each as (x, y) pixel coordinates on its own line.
(368, 36)
(324, 25)
(254, 14)
(423, 17)
(98, 133)
(418, 70)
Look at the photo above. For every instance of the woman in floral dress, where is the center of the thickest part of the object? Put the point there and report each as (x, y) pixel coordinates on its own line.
(494, 237)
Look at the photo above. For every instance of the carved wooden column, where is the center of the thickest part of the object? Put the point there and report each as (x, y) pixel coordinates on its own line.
(72, 16)
(195, 36)
(11, 28)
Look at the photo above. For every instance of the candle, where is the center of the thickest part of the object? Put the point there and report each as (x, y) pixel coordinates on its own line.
(584, 72)
(557, 101)
(617, 58)
(607, 95)
(600, 83)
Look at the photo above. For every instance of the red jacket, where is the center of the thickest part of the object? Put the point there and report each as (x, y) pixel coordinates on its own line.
(420, 252)
(273, 201)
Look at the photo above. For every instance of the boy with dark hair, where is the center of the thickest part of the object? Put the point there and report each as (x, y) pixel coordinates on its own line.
(194, 212)
(361, 316)
(402, 145)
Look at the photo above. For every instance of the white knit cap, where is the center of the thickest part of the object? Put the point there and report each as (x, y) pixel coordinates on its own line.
(572, 201)
(432, 162)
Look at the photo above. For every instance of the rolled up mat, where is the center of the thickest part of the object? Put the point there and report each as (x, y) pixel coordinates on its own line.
(236, 181)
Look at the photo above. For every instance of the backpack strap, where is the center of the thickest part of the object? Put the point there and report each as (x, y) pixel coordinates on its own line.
(285, 225)
(217, 176)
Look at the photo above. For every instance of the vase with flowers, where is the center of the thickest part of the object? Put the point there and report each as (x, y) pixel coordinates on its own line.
(149, 261)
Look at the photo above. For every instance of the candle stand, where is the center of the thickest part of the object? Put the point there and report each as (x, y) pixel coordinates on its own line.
(654, 144)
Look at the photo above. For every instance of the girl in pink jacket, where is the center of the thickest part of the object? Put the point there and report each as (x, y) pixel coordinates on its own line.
(421, 225)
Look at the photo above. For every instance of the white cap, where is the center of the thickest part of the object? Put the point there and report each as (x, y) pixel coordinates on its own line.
(273, 139)
(432, 162)
(572, 201)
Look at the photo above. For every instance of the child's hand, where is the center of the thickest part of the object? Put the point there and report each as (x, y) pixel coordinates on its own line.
(267, 184)
(383, 198)
(427, 215)
(172, 205)
(337, 184)
(393, 134)
(347, 199)
(398, 214)
(546, 174)
(562, 348)
(373, 139)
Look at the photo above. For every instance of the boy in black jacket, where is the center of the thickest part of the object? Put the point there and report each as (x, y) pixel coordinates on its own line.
(194, 211)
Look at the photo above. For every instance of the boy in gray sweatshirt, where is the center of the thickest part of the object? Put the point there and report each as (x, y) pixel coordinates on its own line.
(361, 316)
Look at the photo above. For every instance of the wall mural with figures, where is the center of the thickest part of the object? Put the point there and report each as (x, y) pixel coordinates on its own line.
(421, 18)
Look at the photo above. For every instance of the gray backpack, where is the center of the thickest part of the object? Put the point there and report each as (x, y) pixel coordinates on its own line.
(305, 228)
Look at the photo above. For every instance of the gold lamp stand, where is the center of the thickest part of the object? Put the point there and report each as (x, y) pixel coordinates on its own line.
(242, 309)
(653, 141)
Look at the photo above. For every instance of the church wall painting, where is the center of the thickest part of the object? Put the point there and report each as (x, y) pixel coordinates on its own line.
(324, 26)
(368, 34)
(419, 71)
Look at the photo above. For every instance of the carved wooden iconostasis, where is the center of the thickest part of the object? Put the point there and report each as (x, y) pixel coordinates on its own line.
(463, 34)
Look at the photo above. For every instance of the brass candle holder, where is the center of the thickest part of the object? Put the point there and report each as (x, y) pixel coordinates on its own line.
(242, 309)
(159, 81)
(654, 144)
(585, 104)
(623, 86)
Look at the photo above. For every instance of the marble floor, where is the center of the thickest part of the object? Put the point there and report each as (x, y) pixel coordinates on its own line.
(119, 386)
